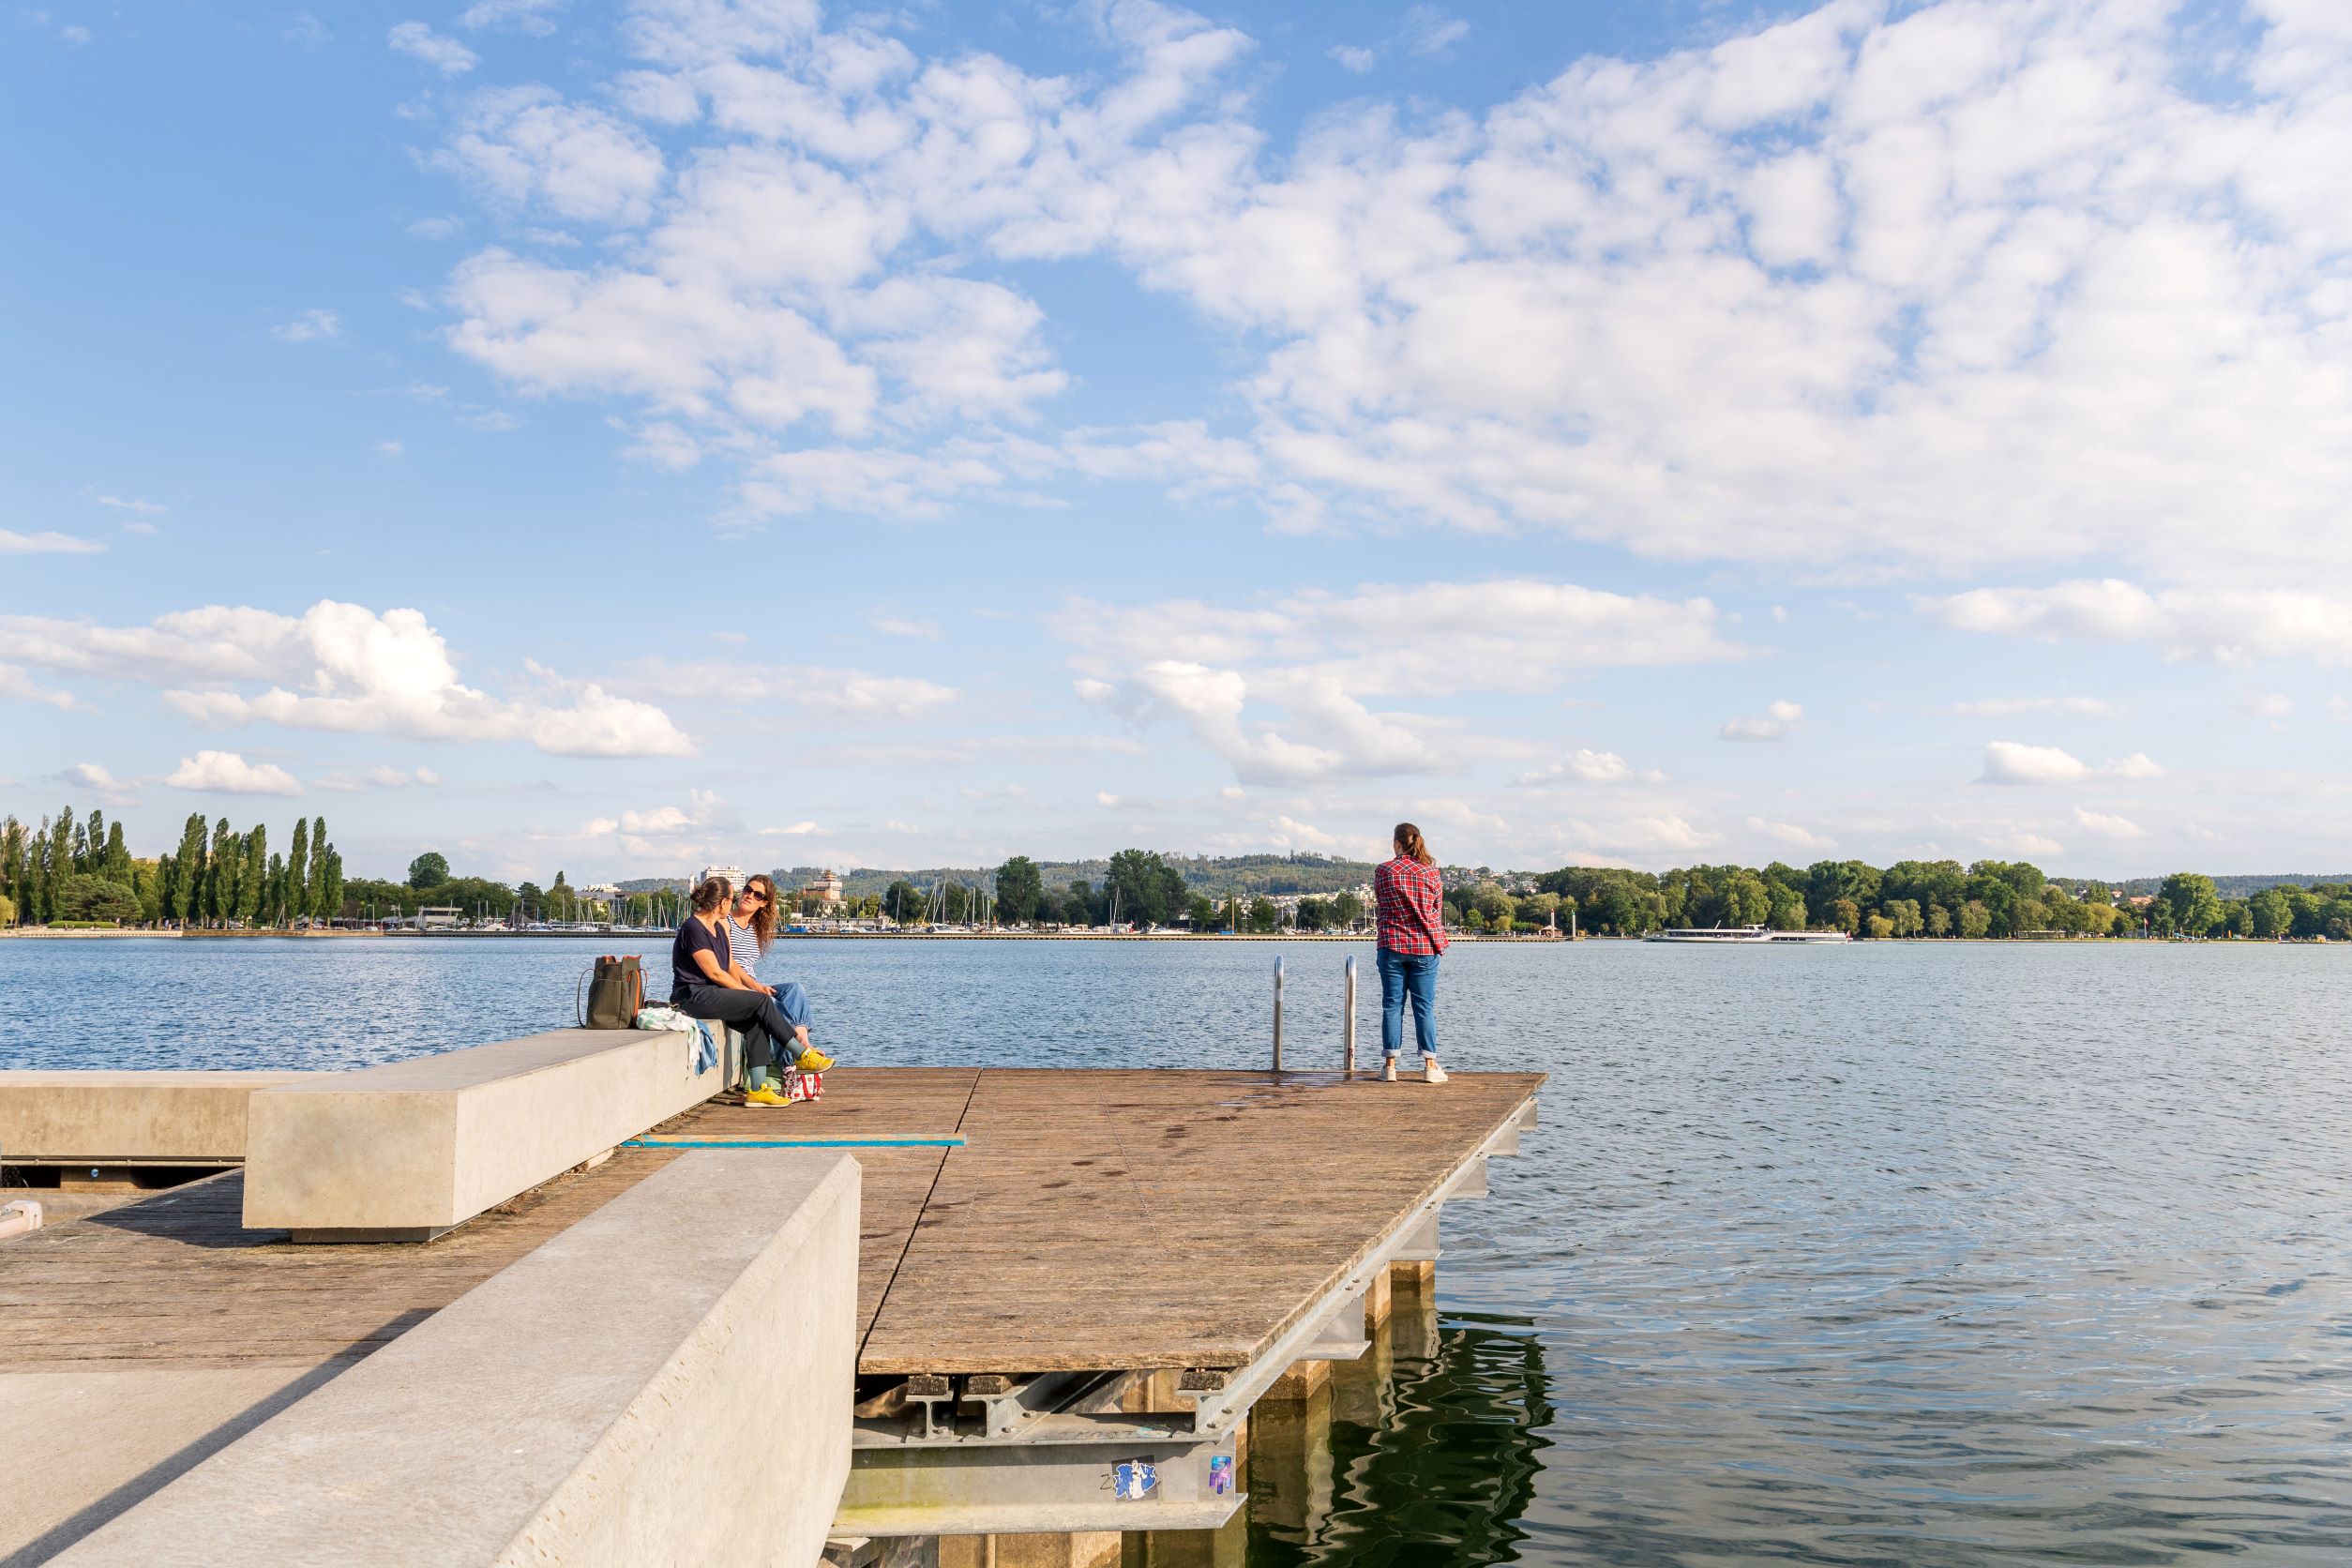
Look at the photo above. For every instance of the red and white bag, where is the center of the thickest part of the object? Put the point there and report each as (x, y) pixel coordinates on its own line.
(799, 1085)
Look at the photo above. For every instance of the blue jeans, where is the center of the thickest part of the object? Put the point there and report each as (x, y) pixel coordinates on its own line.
(767, 1023)
(1403, 975)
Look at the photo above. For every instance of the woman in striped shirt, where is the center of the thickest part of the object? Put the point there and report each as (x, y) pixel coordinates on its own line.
(751, 927)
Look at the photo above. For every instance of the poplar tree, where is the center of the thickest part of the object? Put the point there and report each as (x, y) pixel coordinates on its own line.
(297, 871)
(220, 873)
(90, 843)
(315, 890)
(115, 867)
(250, 886)
(37, 880)
(276, 890)
(187, 885)
(333, 882)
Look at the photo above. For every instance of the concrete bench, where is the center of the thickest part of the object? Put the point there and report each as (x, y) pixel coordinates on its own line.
(129, 1118)
(409, 1150)
(668, 1381)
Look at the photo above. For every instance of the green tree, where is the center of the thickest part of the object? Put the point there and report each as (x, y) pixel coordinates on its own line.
(1845, 916)
(1975, 920)
(1346, 910)
(2195, 908)
(220, 870)
(1878, 927)
(8, 911)
(314, 887)
(297, 872)
(88, 897)
(253, 880)
(1144, 887)
(1263, 916)
(2271, 914)
(1019, 886)
(427, 870)
(1903, 917)
(331, 883)
(114, 865)
(1312, 915)
(903, 902)
(1204, 912)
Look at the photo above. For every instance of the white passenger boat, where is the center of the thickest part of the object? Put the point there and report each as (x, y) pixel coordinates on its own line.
(1717, 936)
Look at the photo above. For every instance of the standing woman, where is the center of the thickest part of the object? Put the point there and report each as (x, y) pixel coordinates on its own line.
(706, 983)
(1411, 897)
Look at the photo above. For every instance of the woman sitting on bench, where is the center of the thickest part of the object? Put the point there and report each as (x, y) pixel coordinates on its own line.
(707, 982)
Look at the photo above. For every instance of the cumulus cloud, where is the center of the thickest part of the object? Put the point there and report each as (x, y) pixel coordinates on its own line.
(92, 780)
(2107, 826)
(2003, 707)
(1317, 659)
(2015, 762)
(535, 17)
(225, 773)
(1959, 285)
(1586, 767)
(1792, 834)
(2231, 627)
(311, 326)
(339, 666)
(443, 54)
(380, 778)
(1774, 725)
(13, 543)
(16, 682)
(528, 146)
(841, 695)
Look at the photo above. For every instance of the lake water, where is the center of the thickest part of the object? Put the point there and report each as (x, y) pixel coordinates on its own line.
(1907, 1253)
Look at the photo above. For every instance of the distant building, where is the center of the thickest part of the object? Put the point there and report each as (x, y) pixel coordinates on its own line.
(734, 875)
(825, 890)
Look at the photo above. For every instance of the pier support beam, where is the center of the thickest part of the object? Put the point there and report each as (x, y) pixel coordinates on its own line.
(1097, 1548)
(1290, 1465)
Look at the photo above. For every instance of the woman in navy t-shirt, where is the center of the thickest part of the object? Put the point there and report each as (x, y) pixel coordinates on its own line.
(706, 980)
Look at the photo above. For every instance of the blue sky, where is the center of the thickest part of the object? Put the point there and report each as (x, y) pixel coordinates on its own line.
(613, 437)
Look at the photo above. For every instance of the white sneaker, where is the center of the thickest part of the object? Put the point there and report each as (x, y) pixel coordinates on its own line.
(1387, 1069)
(1431, 1072)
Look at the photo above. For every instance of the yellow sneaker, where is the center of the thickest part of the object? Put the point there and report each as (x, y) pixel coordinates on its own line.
(813, 1061)
(765, 1096)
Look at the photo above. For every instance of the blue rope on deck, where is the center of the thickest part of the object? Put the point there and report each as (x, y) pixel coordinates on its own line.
(794, 1143)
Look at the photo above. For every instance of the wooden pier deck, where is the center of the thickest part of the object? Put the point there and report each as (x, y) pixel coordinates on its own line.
(1139, 1219)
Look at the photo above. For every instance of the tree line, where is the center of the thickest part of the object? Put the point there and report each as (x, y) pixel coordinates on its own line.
(77, 871)
(1935, 898)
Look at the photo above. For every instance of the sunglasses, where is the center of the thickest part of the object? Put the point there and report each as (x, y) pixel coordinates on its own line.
(754, 895)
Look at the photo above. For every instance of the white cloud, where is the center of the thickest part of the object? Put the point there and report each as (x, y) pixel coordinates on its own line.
(2106, 825)
(1354, 58)
(842, 695)
(2227, 626)
(1774, 725)
(2003, 707)
(13, 543)
(535, 17)
(2013, 762)
(339, 666)
(1792, 834)
(1430, 30)
(443, 54)
(92, 780)
(390, 448)
(225, 773)
(899, 625)
(2270, 705)
(1317, 656)
(1586, 767)
(311, 326)
(2024, 844)
(145, 509)
(1960, 286)
(529, 147)
(796, 830)
(380, 778)
(15, 681)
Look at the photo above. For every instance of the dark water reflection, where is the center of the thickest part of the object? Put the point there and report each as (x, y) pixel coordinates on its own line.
(1910, 1253)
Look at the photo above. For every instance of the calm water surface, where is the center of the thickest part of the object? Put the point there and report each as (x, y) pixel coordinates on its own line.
(1915, 1254)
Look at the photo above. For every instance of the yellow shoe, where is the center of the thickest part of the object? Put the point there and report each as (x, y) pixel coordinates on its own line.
(813, 1061)
(764, 1095)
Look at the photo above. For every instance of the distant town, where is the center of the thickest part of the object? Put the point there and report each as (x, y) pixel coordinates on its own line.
(75, 871)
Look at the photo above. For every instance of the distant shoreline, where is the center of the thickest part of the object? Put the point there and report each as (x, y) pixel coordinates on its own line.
(39, 933)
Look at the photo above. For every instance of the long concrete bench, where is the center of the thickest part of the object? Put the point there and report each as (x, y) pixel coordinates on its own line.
(411, 1149)
(129, 1118)
(668, 1381)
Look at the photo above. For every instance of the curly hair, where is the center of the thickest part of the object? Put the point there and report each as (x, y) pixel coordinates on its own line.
(763, 921)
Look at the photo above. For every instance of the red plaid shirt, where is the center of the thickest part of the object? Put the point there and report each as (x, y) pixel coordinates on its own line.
(1411, 899)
